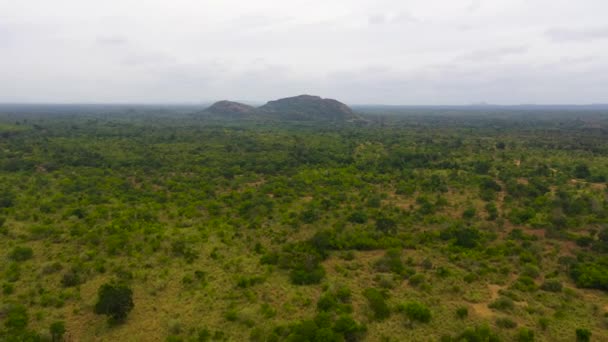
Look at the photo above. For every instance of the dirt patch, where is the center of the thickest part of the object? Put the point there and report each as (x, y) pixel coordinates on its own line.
(482, 309)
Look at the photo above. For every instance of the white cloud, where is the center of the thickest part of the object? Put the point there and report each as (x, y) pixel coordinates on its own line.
(383, 51)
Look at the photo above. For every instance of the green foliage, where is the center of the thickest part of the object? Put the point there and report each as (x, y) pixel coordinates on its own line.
(377, 303)
(416, 312)
(552, 285)
(477, 334)
(466, 237)
(57, 330)
(115, 301)
(462, 312)
(427, 201)
(590, 275)
(525, 335)
(16, 318)
(583, 335)
(582, 171)
(505, 323)
(390, 262)
(21, 253)
(502, 304)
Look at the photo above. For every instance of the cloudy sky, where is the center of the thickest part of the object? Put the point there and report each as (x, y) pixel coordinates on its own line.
(358, 51)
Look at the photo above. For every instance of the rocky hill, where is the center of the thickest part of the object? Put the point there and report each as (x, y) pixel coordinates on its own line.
(297, 108)
(230, 110)
(308, 108)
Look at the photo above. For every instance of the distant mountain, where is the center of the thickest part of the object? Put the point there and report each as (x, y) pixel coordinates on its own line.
(308, 108)
(297, 108)
(230, 110)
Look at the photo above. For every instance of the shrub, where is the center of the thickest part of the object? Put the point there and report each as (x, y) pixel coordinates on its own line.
(377, 303)
(478, 334)
(327, 302)
(7, 289)
(416, 279)
(525, 335)
(465, 237)
(505, 323)
(349, 328)
(552, 285)
(71, 278)
(20, 253)
(531, 271)
(462, 312)
(417, 312)
(525, 283)
(16, 317)
(390, 262)
(386, 225)
(305, 276)
(590, 275)
(57, 330)
(583, 335)
(358, 217)
(115, 301)
(502, 303)
(469, 213)
(543, 322)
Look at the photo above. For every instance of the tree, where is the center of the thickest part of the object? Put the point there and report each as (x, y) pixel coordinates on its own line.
(582, 171)
(115, 301)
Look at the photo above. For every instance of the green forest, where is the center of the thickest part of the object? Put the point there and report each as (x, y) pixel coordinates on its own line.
(413, 225)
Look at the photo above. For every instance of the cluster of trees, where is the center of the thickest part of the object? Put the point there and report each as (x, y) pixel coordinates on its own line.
(134, 198)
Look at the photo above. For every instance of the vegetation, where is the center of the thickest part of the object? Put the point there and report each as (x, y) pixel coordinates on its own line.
(115, 301)
(429, 225)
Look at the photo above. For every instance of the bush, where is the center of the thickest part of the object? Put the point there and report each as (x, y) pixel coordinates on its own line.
(57, 330)
(478, 334)
(377, 303)
(115, 301)
(417, 312)
(349, 328)
(71, 278)
(583, 335)
(16, 318)
(304, 276)
(465, 237)
(502, 304)
(416, 280)
(21, 253)
(525, 335)
(590, 275)
(505, 323)
(531, 271)
(552, 285)
(390, 262)
(462, 312)
(524, 283)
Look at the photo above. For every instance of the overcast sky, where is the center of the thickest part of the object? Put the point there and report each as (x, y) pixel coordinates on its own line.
(357, 51)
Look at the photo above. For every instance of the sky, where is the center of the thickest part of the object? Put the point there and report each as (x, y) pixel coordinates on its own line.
(411, 52)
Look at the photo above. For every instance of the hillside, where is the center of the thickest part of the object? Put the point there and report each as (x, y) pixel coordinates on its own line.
(307, 108)
(297, 108)
(230, 110)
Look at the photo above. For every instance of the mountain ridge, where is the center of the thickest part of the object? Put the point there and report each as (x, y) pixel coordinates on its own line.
(295, 108)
